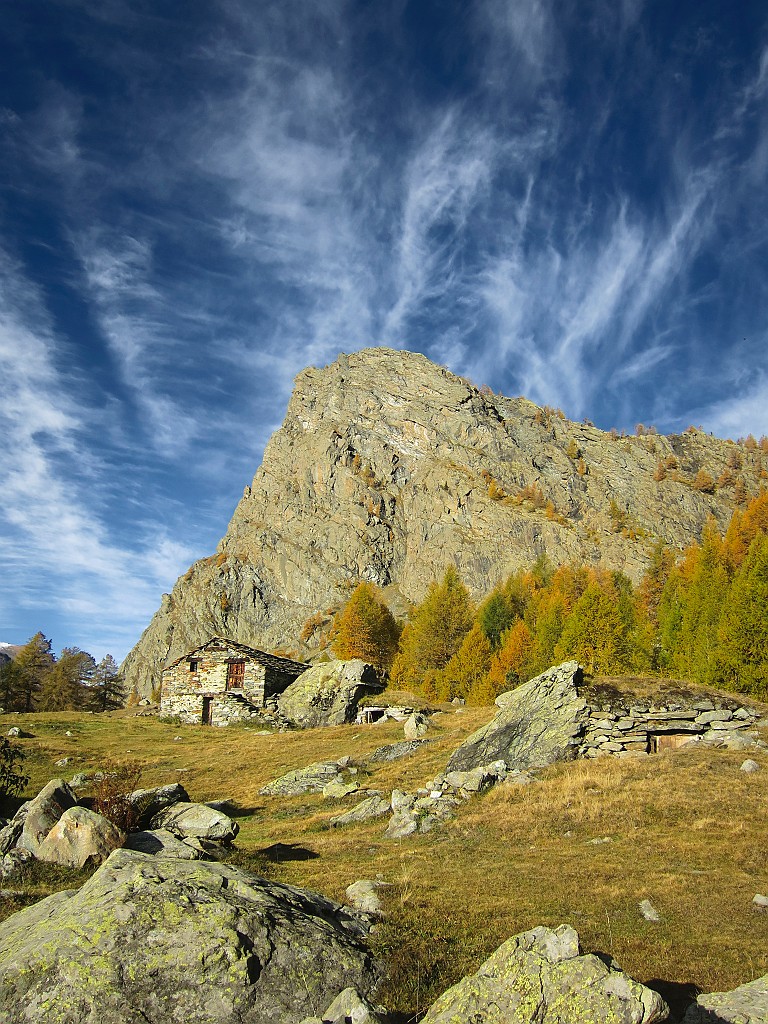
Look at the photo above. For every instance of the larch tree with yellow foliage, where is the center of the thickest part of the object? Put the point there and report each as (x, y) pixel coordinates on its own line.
(435, 632)
(365, 628)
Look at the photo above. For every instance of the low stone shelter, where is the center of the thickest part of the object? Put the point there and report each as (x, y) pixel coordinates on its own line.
(223, 681)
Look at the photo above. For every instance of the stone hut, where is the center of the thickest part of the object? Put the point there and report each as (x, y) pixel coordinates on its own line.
(223, 681)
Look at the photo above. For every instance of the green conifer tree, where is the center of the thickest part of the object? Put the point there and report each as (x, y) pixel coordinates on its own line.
(466, 672)
(35, 661)
(435, 631)
(742, 654)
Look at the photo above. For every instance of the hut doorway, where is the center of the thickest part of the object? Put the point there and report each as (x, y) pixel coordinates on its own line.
(207, 715)
(661, 741)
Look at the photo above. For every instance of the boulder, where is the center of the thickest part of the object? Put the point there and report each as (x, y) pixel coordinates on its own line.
(197, 821)
(368, 809)
(43, 812)
(337, 790)
(12, 863)
(364, 895)
(10, 833)
(747, 1004)
(162, 843)
(415, 726)
(312, 779)
(394, 751)
(147, 802)
(350, 1008)
(156, 939)
(80, 837)
(538, 723)
(538, 977)
(328, 693)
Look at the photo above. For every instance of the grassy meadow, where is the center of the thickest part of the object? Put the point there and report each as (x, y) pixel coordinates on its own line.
(583, 845)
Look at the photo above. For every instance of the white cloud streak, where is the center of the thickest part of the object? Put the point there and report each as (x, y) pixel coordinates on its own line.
(50, 507)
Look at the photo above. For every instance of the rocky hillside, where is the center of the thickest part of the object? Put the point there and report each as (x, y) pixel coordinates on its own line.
(388, 467)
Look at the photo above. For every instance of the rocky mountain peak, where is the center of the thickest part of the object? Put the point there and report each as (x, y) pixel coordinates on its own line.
(388, 467)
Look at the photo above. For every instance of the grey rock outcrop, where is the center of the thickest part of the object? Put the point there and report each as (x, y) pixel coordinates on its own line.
(10, 833)
(538, 977)
(42, 813)
(196, 821)
(162, 843)
(312, 779)
(747, 1004)
(367, 810)
(159, 939)
(537, 724)
(148, 802)
(394, 751)
(328, 693)
(388, 467)
(416, 725)
(78, 838)
(350, 1008)
(364, 895)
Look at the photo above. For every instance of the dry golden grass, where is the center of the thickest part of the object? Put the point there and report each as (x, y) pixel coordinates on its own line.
(686, 830)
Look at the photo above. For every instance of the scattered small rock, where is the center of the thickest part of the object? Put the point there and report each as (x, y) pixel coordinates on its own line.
(760, 903)
(750, 766)
(349, 1006)
(416, 726)
(363, 895)
(649, 912)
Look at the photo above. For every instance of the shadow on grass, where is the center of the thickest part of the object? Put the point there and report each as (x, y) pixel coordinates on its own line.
(677, 995)
(282, 852)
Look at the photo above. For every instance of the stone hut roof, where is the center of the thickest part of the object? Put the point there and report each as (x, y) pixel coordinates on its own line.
(286, 665)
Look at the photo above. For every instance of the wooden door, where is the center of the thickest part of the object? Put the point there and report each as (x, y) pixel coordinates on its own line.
(207, 715)
(235, 675)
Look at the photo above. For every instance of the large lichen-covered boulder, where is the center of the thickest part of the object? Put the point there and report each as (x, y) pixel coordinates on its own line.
(747, 1004)
(80, 837)
(43, 812)
(537, 724)
(183, 942)
(328, 693)
(538, 977)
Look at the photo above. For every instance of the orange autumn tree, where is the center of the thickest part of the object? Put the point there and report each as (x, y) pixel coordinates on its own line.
(514, 663)
(365, 628)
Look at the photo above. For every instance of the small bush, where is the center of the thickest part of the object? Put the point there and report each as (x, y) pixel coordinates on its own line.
(111, 796)
(12, 780)
(704, 482)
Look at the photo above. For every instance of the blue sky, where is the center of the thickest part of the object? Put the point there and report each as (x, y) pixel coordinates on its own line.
(561, 199)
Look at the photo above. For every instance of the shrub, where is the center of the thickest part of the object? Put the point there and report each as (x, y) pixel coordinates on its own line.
(12, 780)
(111, 796)
(704, 482)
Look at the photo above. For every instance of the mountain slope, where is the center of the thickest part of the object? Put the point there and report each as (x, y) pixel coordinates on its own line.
(388, 467)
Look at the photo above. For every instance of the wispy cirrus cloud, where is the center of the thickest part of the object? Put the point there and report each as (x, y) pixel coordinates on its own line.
(55, 543)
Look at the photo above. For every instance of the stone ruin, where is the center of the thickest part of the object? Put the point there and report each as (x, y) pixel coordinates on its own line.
(550, 718)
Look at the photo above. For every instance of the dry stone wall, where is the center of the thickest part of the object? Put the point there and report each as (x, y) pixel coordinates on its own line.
(631, 729)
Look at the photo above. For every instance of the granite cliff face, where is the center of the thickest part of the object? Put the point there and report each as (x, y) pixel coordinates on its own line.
(388, 467)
